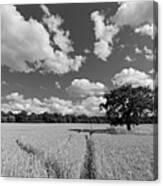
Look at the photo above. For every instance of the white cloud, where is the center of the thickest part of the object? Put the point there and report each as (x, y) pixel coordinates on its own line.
(134, 13)
(147, 29)
(104, 34)
(26, 45)
(99, 25)
(128, 58)
(105, 31)
(62, 63)
(87, 51)
(132, 76)
(55, 104)
(16, 103)
(43, 88)
(57, 84)
(152, 71)
(122, 46)
(138, 15)
(14, 96)
(147, 50)
(137, 50)
(102, 50)
(90, 106)
(61, 37)
(149, 57)
(22, 40)
(148, 54)
(45, 10)
(4, 82)
(84, 88)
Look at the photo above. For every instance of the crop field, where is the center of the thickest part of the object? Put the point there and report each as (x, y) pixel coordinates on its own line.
(68, 151)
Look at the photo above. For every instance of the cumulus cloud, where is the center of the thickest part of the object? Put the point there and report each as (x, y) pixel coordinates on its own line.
(26, 44)
(129, 14)
(14, 96)
(90, 106)
(99, 25)
(152, 71)
(87, 51)
(61, 63)
(57, 84)
(105, 31)
(128, 58)
(55, 104)
(137, 50)
(138, 15)
(16, 103)
(104, 34)
(122, 46)
(84, 88)
(22, 40)
(147, 29)
(4, 82)
(134, 13)
(102, 50)
(132, 76)
(148, 54)
(45, 10)
(60, 37)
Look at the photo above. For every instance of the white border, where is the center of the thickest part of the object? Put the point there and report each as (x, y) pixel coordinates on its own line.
(42, 182)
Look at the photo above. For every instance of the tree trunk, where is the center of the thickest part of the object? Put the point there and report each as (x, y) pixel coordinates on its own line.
(128, 126)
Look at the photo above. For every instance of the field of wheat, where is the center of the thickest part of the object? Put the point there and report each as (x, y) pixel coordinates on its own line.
(56, 151)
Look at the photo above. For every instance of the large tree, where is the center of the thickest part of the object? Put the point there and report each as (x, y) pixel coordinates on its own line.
(126, 105)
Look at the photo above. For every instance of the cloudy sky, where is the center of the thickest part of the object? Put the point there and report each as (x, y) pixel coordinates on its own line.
(63, 57)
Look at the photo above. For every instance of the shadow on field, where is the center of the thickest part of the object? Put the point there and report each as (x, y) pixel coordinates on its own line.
(96, 131)
(112, 131)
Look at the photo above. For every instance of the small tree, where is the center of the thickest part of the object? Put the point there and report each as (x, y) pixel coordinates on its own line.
(125, 105)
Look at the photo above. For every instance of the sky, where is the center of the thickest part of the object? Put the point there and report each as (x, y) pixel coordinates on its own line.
(63, 57)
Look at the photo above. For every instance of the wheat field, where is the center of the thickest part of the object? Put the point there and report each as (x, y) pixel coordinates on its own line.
(55, 151)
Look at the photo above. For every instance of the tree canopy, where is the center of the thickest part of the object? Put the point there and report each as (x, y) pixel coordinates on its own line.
(126, 105)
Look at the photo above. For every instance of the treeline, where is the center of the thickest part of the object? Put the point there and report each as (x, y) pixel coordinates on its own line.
(50, 118)
(23, 117)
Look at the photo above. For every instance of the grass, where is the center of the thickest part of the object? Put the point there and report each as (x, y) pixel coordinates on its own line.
(30, 151)
(124, 157)
(57, 151)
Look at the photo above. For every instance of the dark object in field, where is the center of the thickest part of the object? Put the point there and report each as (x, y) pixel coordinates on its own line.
(96, 131)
